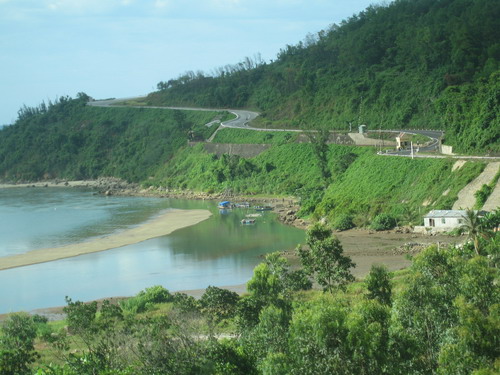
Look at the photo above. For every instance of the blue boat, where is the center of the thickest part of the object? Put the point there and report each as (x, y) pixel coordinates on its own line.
(225, 205)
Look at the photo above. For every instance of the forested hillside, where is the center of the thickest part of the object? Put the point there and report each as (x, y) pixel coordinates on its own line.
(68, 139)
(409, 64)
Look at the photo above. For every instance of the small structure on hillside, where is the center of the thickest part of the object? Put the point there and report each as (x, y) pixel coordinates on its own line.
(403, 141)
(444, 220)
(362, 129)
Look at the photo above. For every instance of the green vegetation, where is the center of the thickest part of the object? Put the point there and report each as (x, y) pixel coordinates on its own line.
(383, 222)
(68, 139)
(408, 64)
(362, 185)
(483, 194)
(249, 136)
(324, 259)
(440, 316)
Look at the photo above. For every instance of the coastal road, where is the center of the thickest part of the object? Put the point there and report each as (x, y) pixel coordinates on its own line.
(242, 119)
(433, 145)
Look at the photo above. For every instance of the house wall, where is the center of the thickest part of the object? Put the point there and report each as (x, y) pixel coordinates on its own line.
(448, 222)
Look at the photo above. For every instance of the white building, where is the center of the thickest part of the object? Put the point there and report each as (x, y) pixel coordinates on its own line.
(445, 220)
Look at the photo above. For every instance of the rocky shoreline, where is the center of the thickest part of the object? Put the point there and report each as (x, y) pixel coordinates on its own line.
(285, 208)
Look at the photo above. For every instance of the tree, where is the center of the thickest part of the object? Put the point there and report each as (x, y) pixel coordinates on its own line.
(474, 227)
(17, 350)
(378, 283)
(219, 303)
(272, 284)
(324, 259)
(81, 317)
(319, 141)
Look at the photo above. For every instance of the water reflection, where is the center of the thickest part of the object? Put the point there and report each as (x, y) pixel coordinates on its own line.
(219, 251)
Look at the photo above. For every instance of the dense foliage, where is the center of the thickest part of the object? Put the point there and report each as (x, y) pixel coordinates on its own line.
(408, 64)
(68, 139)
(441, 316)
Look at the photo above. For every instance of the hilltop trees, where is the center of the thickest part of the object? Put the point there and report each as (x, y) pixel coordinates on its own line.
(408, 64)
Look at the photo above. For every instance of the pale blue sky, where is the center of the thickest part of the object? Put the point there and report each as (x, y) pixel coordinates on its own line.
(122, 48)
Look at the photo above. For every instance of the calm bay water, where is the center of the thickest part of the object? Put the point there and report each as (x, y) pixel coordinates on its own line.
(219, 251)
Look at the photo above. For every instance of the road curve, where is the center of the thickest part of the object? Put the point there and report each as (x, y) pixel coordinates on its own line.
(243, 117)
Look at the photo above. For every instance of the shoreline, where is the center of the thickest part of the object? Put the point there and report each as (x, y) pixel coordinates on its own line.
(161, 225)
(286, 208)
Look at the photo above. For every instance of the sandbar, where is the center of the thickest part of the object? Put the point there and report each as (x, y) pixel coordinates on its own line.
(159, 226)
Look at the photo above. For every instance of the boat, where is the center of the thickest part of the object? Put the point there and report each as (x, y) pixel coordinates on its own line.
(254, 215)
(263, 208)
(248, 221)
(225, 205)
(242, 205)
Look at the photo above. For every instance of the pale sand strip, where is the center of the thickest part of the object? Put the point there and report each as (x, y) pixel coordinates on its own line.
(159, 226)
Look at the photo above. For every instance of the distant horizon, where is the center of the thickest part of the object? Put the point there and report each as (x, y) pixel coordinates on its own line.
(123, 48)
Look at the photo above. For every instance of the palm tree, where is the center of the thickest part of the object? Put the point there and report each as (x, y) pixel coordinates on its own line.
(474, 227)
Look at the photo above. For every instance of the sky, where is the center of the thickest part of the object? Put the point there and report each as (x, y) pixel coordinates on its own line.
(123, 48)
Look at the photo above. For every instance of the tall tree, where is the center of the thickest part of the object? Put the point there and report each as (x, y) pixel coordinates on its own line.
(324, 259)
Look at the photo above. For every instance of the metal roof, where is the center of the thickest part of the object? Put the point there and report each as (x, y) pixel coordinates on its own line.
(450, 213)
(445, 213)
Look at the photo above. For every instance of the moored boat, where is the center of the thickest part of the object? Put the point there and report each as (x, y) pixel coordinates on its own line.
(242, 205)
(225, 205)
(263, 208)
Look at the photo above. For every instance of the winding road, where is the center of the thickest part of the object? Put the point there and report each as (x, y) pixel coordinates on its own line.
(244, 117)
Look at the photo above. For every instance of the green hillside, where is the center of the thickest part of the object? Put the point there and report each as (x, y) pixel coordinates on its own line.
(418, 63)
(71, 140)
(362, 184)
(409, 64)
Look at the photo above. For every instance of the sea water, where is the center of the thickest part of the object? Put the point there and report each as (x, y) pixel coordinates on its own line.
(219, 251)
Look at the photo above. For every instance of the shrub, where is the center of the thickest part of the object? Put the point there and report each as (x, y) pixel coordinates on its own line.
(219, 303)
(482, 195)
(185, 303)
(343, 222)
(383, 222)
(146, 298)
(156, 294)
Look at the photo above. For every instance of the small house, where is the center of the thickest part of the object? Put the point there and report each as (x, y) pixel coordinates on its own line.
(446, 220)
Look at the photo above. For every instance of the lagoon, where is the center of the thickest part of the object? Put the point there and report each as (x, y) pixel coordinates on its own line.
(219, 251)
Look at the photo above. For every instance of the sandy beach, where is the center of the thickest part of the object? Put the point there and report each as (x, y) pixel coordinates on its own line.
(161, 225)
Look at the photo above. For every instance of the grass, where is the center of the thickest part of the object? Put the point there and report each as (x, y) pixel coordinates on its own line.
(244, 136)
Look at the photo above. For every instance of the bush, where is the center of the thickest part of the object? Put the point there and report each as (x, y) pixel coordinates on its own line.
(185, 303)
(219, 303)
(156, 294)
(383, 222)
(482, 195)
(146, 299)
(343, 222)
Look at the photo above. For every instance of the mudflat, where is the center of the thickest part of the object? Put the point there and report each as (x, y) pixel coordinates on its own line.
(161, 225)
